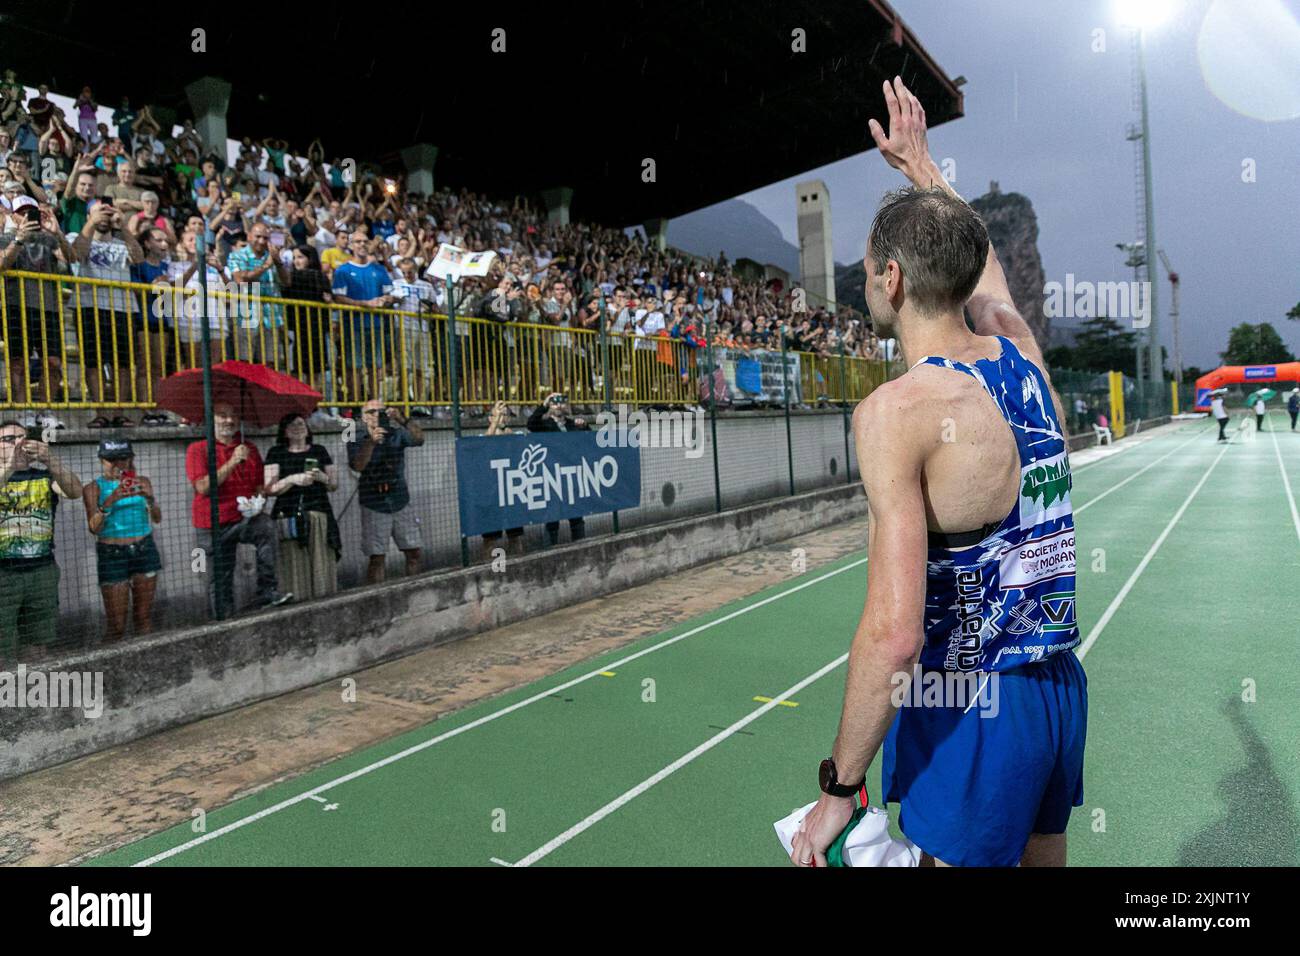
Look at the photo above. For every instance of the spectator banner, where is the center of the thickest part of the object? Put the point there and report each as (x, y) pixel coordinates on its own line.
(511, 481)
(756, 376)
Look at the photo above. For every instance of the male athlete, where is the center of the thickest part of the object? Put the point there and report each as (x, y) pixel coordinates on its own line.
(971, 547)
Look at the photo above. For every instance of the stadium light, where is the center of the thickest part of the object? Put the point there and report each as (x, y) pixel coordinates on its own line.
(1144, 14)
(1140, 16)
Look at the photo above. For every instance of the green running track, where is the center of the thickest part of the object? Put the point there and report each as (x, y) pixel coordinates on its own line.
(659, 753)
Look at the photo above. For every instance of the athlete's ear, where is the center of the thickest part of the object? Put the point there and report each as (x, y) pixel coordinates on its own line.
(893, 281)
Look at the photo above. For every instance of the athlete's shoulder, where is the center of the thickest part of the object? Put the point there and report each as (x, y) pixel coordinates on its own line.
(902, 409)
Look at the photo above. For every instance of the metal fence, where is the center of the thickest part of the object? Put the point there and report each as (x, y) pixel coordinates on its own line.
(73, 575)
(72, 342)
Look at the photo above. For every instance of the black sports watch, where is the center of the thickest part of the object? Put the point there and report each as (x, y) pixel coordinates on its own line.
(828, 777)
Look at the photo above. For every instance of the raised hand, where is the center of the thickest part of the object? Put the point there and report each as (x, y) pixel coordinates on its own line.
(904, 147)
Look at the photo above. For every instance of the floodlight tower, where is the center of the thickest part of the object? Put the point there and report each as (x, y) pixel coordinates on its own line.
(1137, 261)
(1173, 316)
(1139, 16)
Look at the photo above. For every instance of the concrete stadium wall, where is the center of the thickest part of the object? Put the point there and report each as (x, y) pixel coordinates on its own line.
(151, 684)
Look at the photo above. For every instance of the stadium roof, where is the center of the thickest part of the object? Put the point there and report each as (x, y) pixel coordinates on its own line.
(712, 92)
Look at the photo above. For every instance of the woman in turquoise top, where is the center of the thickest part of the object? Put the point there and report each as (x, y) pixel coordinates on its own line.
(122, 511)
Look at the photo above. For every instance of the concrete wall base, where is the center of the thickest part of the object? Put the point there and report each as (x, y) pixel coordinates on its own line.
(152, 684)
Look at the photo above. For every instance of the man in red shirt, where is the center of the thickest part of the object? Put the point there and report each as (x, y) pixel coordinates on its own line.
(240, 473)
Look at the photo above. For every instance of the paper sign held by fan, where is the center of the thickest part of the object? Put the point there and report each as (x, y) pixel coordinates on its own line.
(459, 263)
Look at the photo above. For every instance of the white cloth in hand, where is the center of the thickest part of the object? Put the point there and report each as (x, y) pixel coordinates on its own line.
(251, 507)
(868, 844)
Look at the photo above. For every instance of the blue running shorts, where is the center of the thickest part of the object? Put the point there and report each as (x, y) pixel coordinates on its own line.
(973, 788)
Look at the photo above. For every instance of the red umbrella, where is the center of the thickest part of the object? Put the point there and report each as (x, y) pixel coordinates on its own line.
(260, 395)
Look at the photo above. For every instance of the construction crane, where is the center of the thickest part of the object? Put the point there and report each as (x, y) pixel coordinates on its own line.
(1173, 316)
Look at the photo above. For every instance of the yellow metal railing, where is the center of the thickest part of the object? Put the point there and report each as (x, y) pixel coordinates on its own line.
(73, 342)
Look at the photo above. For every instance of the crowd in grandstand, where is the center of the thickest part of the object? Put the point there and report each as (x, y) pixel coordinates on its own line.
(128, 203)
(329, 258)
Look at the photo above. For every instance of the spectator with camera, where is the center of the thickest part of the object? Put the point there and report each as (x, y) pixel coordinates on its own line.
(106, 250)
(552, 415)
(497, 425)
(33, 306)
(121, 511)
(379, 459)
(32, 480)
(241, 479)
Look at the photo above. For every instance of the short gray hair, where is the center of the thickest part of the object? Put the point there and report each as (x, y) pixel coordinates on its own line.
(939, 242)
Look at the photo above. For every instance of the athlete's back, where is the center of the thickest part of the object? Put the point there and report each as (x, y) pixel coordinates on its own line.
(970, 548)
(1001, 558)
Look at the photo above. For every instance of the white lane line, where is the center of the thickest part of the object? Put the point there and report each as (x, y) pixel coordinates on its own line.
(554, 844)
(578, 828)
(312, 794)
(1286, 483)
(1100, 626)
(498, 861)
(319, 799)
(487, 718)
(1136, 474)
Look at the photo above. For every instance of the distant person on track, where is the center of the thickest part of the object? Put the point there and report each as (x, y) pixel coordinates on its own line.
(1260, 410)
(1293, 406)
(971, 548)
(1220, 414)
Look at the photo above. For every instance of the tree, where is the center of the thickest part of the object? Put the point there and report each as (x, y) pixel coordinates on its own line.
(1255, 345)
(1100, 345)
(1295, 312)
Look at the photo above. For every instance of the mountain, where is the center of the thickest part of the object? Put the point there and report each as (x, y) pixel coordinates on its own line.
(737, 228)
(1013, 230)
(850, 281)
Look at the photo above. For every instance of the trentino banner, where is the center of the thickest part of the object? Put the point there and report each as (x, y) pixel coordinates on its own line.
(510, 481)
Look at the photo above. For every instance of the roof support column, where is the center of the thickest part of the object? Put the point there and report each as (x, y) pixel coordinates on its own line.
(419, 161)
(557, 204)
(656, 231)
(209, 97)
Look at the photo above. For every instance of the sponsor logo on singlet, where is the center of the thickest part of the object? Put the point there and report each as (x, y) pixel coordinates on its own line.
(1058, 608)
(1038, 559)
(1022, 620)
(1044, 491)
(965, 644)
